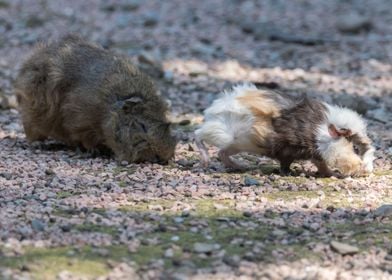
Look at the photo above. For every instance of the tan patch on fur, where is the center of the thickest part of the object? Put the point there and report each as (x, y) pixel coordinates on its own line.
(348, 165)
(263, 109)
(259, 104)
(341, 156)
(260, 132)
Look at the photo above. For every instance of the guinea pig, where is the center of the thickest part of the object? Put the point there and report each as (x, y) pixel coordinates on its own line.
(79, 93)
(285, 128)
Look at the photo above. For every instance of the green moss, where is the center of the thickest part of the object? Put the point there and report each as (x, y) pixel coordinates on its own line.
(100, 211)
(63, 213)
(375, 232)
(210, 208)
(89, 262)
(326, 181)
(119, 169)
(148, 206)
(96, 228)
(207, 208)
(4, 4)
(47, 263)
(382, 172)
(268, 169)
(63, 194)
(207, 228)
(328, 196)
(34, 21)
(126, 45)
(291, 195)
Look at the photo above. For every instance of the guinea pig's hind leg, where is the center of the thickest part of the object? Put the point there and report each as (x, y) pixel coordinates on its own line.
(224, 156)
(203, 152)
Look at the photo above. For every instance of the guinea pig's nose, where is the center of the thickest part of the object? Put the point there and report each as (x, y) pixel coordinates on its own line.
(364, 171)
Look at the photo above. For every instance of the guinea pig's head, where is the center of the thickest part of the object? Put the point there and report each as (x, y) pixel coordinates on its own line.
(140, 132)
(343, 143)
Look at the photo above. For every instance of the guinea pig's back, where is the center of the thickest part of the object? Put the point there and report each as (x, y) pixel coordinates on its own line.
(227, 123)
(34, 90)
(240, 119)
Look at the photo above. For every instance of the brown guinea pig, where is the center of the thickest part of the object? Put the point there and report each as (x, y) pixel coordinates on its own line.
(272, 124)
(81, 94)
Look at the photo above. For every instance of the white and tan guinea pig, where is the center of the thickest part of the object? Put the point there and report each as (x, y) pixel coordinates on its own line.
(273, 124)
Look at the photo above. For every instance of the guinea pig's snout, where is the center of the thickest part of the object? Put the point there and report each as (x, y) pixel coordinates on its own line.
(365, 170)
(360, 172)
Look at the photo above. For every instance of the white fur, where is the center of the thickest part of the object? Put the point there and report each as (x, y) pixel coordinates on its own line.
(368, 159)
(346, 118)
(227, 123)
(343, 118)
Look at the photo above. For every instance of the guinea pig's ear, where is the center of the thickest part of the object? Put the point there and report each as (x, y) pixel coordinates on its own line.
(130, 102)
(336, 133)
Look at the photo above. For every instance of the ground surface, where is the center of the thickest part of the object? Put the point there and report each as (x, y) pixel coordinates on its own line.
(66, 215)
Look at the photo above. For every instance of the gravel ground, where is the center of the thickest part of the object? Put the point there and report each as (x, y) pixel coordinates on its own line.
(68, 215)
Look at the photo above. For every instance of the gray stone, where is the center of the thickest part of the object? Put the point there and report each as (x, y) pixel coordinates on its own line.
(203, 49)
(205, 247)
(66, 227)
(358, 103)
(25, 231)
(175, 238)
(131, 5)
(344, 249)
(6, 175)
(168, 75)
(150, 64)
(8, 102)
(278, 233)
(260, 30)
(384, 211)
(233, 261)
(122, 20)
(388, 257)
(378, 114)
(178, 220)
(147, 58)
(185, 122)
(185, 163)
(169, 253)
(353, 23)
(38, 225)
(151, 19)
(249, 181)
(101, 252)
(247, 214)
(49, 171)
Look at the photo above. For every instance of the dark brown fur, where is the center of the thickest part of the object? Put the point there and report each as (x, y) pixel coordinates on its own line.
(294, 136)
(81, 94)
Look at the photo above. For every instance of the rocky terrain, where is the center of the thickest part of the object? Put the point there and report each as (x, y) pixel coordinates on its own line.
(68, 215)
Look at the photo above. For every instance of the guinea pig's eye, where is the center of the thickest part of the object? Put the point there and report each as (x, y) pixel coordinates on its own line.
(356, 149)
